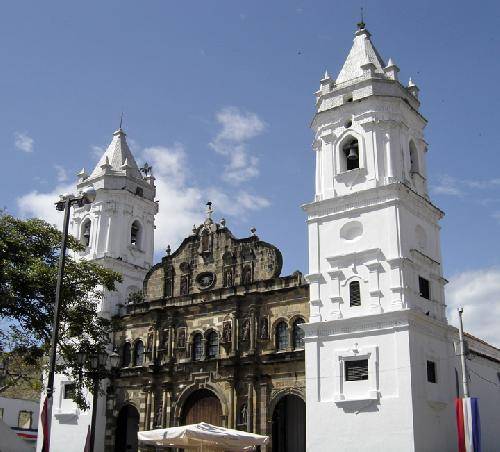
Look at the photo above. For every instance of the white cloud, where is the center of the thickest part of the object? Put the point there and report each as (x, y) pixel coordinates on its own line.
(447, 185)
(42, 205)
(478, 291)
(62, 175)
(237, 128)
(97, 151)
(23, 142)
(182, 199)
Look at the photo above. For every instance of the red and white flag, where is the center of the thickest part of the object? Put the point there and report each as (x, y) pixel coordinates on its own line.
(45, 420)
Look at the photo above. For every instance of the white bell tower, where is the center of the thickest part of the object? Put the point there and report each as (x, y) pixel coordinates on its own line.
(377, 315)
(118, 227)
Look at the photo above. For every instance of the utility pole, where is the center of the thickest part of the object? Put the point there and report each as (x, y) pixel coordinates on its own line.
(465, 382)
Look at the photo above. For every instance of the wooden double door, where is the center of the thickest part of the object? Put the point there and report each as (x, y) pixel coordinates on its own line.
(202, 406)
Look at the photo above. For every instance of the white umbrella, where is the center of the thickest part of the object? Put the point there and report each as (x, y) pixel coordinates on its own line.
(203, 434)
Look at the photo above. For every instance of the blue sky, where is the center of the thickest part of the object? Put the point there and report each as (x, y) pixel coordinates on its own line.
(219, 96)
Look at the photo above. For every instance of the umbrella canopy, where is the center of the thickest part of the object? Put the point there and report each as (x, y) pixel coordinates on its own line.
(202, 434)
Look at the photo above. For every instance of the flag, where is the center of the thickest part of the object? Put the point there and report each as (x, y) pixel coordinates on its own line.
(87, 441)
(45, 419)
(468, 424)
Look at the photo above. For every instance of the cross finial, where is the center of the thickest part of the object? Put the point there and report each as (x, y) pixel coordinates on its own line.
(361, 24)
(121, 121)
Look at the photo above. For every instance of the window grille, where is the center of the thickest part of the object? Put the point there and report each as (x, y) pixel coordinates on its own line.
(213, 345)
(126, 355)
(298, 334)
(282, 336)
(197, 347)
(424, 288)
(69, 390)
(354, 293)
(138, 353)
(431, 372)
(356, 370)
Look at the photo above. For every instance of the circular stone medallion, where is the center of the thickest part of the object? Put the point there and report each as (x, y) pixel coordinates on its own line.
(205, 280)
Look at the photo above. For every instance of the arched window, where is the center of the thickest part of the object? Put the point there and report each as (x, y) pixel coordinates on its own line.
(197, 347)
(354, 293)
(86, 232)
(246, 275)
(212, 345)
(138, 353)
(351, 154)
(282, 336)
(205, 241)
(298, 334)
(126, 355)
(413, 158)
(135, 234)
(228, 277)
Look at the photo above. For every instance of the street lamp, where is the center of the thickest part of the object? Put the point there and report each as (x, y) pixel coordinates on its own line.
(97, 364)
(87, 196)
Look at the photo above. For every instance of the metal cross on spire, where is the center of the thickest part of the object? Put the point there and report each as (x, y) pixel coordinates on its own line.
(361, 24)
(121, 121)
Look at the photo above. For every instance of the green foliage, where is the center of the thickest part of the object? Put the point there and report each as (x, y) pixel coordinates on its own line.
(29, 258)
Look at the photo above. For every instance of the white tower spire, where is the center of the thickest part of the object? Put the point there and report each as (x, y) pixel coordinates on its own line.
(374, 259)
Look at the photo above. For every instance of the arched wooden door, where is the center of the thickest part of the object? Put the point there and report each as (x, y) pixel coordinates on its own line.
(289, 425)
(127, 427)
(202, 406)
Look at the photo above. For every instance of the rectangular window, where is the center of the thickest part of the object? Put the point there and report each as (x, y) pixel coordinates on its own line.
(424, 288)
(1, 413)
(356, 370)
(431, 372)
(24, 419)
(354, 294)
(69, 390)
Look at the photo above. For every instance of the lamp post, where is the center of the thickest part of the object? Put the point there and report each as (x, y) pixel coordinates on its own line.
(97, 364)
(64, 204)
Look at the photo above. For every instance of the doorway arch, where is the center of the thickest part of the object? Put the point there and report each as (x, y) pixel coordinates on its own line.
(202, 405)
(127, 426)
(289, 424)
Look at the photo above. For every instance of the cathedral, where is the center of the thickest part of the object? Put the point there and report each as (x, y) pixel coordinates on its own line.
(356, 355)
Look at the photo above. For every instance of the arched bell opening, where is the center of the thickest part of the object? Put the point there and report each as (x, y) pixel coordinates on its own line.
(127, 426)
(289, 425)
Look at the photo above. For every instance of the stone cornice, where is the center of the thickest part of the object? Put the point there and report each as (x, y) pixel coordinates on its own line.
(400, 320)
(394, 193)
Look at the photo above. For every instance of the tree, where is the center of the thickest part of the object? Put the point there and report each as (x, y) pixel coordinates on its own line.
(29, 257)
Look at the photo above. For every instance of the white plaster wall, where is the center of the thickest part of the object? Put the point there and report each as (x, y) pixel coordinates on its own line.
(11, 408)
(362, 425)
(70, 424)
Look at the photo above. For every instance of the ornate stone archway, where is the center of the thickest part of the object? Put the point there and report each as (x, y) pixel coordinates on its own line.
(201, 403)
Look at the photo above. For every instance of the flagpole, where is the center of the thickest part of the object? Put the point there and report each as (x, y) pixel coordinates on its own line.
(465, 382)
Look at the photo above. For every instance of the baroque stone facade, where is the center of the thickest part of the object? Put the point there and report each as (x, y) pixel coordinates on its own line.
(214, 338)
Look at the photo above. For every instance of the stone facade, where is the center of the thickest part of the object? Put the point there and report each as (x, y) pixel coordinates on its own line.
(217, 316)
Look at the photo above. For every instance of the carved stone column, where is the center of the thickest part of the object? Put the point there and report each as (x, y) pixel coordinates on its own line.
(251, 349)
(336, 276)
(375, 268)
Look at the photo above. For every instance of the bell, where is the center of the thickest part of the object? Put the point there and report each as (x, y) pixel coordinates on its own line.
(353, 153)
(86, 234)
